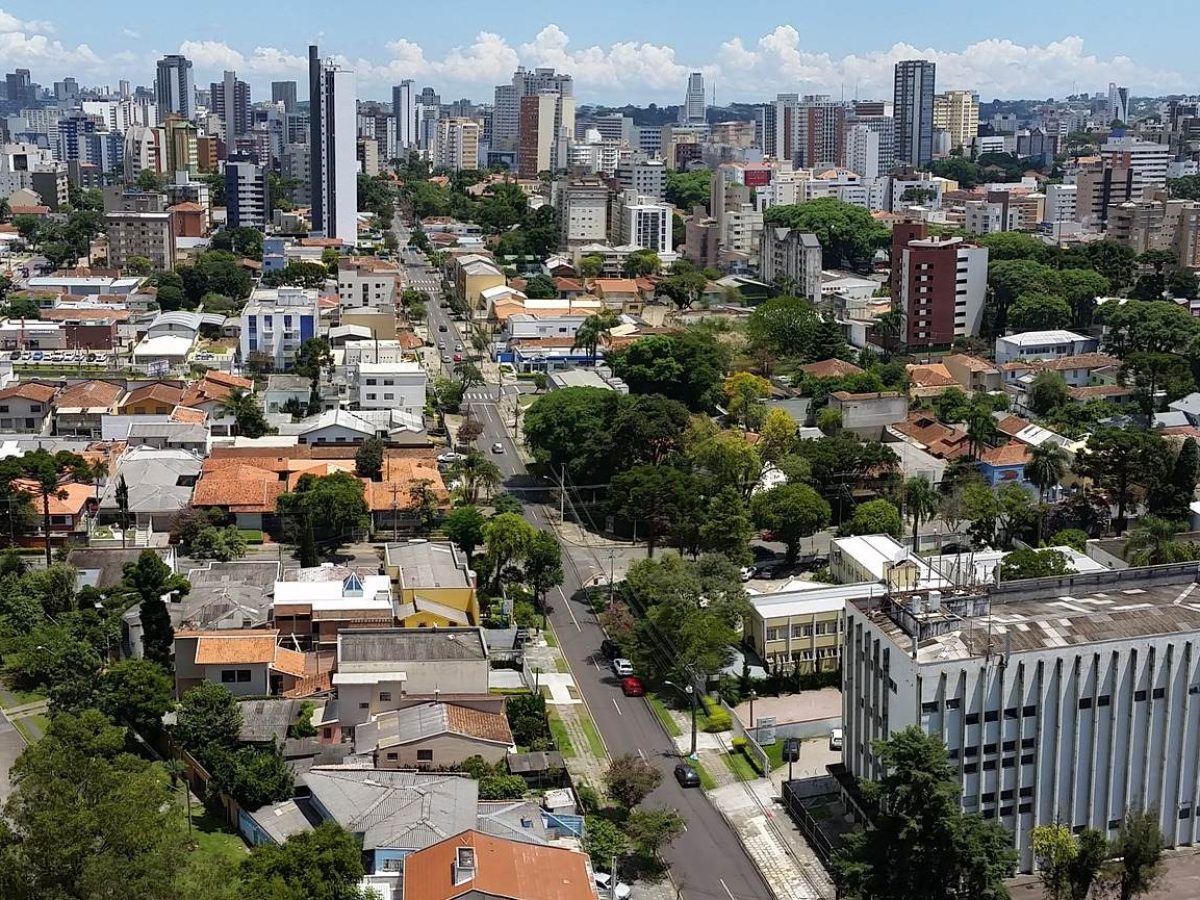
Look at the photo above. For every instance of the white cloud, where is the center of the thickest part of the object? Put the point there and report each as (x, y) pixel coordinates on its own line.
(27, 43)
(131, 33)
(213, 57)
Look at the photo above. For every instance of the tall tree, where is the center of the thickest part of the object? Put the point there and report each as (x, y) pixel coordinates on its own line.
(593, 331)
(921, 502)
(323, 864)
(474, 472)
(792, 512)
(1137, 849)
(1152, 542)
(506, 537)
(368, 459)
(543, 568)
(1122, 460)
(49, 473)
(464, 526)
(208, 714)
(1047, 465)
(1172, 496)
(744, 395)
(246, 413)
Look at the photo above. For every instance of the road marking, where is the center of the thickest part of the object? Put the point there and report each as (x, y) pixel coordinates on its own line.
(617, 707)
(727, 890)
(570, 611)
(640, 753)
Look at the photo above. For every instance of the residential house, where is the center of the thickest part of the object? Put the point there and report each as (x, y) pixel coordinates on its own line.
(189, 436)
(929, 379)
(210, 393)
(435, 587)
(160, 484)
(972, 373)
(340, 426)
(282, 389)
(831, 368)
(392, 386)
(432, 735)
(923, 430)
(1189, 406)
(250, 663)
(867, 415)
(1005, 464)
(310, 610)
(25, 406)
(70, 508)
(80, 408)
(381, 669)
(1042, 345)
(482, 867)
(473, 274)
(367, 281)
(158, 398)
(620, 294)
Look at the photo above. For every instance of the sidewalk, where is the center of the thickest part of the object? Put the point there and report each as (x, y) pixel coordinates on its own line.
(753, 810)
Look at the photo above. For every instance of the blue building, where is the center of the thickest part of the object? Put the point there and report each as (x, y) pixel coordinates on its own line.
(277, 321)
(1005, 465)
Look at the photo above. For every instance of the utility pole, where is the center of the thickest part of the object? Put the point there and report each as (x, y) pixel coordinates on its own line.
(562, 494)
(395, 527)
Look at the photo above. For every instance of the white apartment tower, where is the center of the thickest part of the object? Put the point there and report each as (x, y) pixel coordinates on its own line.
(862, 151)
(406, 118)
(332, 116)
(1118, 103)
(957, 113)
(694, 106)
(1146, 160)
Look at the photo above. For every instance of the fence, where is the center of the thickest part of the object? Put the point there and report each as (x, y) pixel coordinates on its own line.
(753, 747)
(794, 792)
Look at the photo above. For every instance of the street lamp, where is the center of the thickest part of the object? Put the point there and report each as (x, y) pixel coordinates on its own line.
(752, 728)
(691, 695)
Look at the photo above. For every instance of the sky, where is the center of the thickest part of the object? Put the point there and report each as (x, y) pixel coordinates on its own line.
(624, 50)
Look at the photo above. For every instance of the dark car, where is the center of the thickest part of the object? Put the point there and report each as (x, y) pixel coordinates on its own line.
(441, 328)
(687, 776)
(609, 648)
(632, 687)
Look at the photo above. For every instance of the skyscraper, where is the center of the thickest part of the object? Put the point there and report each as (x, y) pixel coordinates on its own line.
(506, 115)
(1118, 103)
(693, 102)
(247, 199)
(231, 102)
(173, 87)
(284, 92)
(957, 112)
(332, 114)
(406, 118)
(428, 109)
(913, 111)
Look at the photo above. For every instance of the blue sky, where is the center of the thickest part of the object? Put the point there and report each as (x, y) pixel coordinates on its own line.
(623, 50)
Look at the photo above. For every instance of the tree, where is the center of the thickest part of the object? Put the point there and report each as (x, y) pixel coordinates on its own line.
(727, 460)
(687, 190)
(502, 787)
(148, 580)
(684, 290)
(921, 502)
(247, 414)
(593, 331)
(325, 863)
(1088, 862)
(849, 236)
(1137, 851)
(507, 537)
(659, 498)
(783, 327)
(1171, 497)
(336, 503)
(777, 437)
(686, 367)
(640, 263)
(1120, 461)
(221, 544)
(726, 528)
(921, 846)
(540, 287)
(1146, 328)
(1183, 284)
(981, 430)
(1048, 391)
(1046, 467)
(591, 266)
(368, 459)
(208, 714)
(572, 429)
(1027, 563)
(1154, 374)
(604, 841)
(254, 777)
(136, 692)
(298, 274)
(49, 473)
(464, 526)
(1152, 543)
(648, 428)
(474, 471)
(84, 817)
(629, 779)
(650, 830)
(216, 272)
(874, 517)
(792, 512)
(1055, 849)
(122, 497)
(1039, 312)
(744, 394)
(543, 567)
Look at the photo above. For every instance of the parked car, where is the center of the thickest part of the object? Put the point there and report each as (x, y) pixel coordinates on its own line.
(449, 457)
(747, 572)
(497, 447)
(835, 740)
(445, 357)
(458, 348)
(633, 687)
(441, 328)
(687, 776)
(458, 357)
(37, 356)
(604, 883)
(610, 649)
(622, 667)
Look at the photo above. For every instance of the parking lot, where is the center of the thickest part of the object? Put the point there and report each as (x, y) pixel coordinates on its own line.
(53, 357)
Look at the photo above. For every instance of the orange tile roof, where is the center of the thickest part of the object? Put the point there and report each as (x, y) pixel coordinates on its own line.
(408, 340)
(187, 414)
(1012, 424)
(186, 206)
(515, 870)
(1008, 455)
(565, 285)
(159, 392)
(69, 500)
(240, 488)
(1082, 361)
(974, 363)
(29, 210)
(930, 375)
(290, 662)
(90, 395)
(1099, 391)
(30, 390)
(84, 312)
(831, 368)
(487, 726)
(616, 285)
(233, 381)
(241, 646)
(207, 390)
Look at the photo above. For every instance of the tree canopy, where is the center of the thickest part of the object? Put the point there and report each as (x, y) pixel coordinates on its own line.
(848, 234)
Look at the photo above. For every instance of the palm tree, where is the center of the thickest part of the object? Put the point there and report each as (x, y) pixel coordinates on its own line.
(921, 501)
(475, 471)
(238, 404)
(1152, 543)
(1046, 467)
(981, 430)
(593, 331)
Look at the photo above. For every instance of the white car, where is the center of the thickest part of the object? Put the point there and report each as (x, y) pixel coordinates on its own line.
(835, 739)
(622, 667)
(604, 882)
(449, 457)
(497, 447)
(747, 572)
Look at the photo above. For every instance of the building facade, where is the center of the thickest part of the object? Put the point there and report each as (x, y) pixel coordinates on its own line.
(791, 256)
(174, 90)
(247, 196)
(957, 113)
(939, 286)
(913, 111)
(333, 123)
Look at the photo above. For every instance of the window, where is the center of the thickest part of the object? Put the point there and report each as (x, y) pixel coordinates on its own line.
(970, 768)
(953, 703)
(1027, 743)
(992, 715)
(327, 733)
(971, 751)
(930, 707)
(989, 765)
(385, 696)
(1027, 759)
(1024, 807)
(1030, 710)
(972, 718)
(1139, 695)
(424, 756)
(1006, 811)
(1103, 700)
(364, 706)
(953, 753)
(1114, 824)
(989, 748)
(1007, 763)
(1085, 703)
(989, 797)
(1009, 746)
(1006, 795)
(1185, 811)
(228, 676)
(1011, 712)
(1158, 693)
(371, 381)
(392, 756)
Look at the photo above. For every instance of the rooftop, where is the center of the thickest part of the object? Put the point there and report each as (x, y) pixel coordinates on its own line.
(426, 564)
(1039, 338)
(352, 592)
(379, 649)
(500, 868)
(831, 368)
(90, 395)
(430, 720)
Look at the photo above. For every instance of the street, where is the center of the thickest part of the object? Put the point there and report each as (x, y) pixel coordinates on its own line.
(707, 860)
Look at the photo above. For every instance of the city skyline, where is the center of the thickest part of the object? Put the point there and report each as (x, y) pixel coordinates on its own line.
(638, 59)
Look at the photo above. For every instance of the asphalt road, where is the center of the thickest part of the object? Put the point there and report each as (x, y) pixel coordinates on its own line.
(707, 861)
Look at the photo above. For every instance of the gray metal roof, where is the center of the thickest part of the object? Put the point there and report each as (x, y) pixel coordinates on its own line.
(282, 820)
(395, 810)
(513, 820)
(288, 383)
(265, 720)
(427, 564)
(158, 480)
(369, 647)
(179, 432)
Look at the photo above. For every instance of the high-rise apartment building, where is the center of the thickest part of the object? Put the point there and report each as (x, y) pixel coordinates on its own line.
(405, 115)
(174, 90)
(284, 92)
(646, 177)
(456, 145)
(1147, 161)
(882, 124)
(1118, 103)
(247, 198)
(536, 148)
(938, 285)
(428, 106)
(791, 257)
(230, 99)
(862, 151)
(140, 227)
(332, 117)
(178, 146)
(694, 106)
(821, 132)
(913, 111)
(582, 211)
(641, 222)
(957, 113)
(143, 152)
(506, 114)
(779, 128)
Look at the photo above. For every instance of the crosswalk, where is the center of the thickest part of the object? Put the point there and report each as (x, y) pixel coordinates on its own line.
(479, 394)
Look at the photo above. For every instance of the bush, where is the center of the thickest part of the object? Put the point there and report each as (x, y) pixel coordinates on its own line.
(479, 768)
(718, 718)
(303, 726)
(589, 798)
(501, 787)
(525, 614)
(739, 744)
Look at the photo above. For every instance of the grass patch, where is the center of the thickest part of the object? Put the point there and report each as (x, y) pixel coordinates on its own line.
(551, 637)
(508, 691)
(741, 767)
(23, 725)
(561, 665)
(251, 535)
(775, 755)
(664, 715)
(22, 698)
(593, 735)
(707, 782)
(214, 839)
(562, 740)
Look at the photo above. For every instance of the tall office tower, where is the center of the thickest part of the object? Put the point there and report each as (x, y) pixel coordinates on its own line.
(406, 118)
(19, 90)
(284, 92)
(456, 145)
(247, 199)
(173, 87)
(957, 113)
(1118, 103)
(913, 104)
(429, 109)
(123, 89)
(506, 115)
(332, 115)
(537, 134)
(66, 91)
(778, 128)
(231, 104)
(882, 125)
(694, 105)
(862, 150)
(822, 130)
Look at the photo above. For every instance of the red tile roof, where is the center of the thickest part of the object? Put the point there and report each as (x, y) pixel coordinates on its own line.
(1014, 454)
(514, 870)
(30, 390)
(831, 368)
(159, 392)
(90, 395)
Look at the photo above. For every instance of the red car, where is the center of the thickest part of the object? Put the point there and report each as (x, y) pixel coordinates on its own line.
(633, 687)
(458, 357)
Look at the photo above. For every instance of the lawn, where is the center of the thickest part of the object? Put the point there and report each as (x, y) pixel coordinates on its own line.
(23, 697)
(551, 637)
(561, 665)
(775, 754)
(664, 716)
(214, 838)
(741, 767)
(31, 735)
(594, 743)
(707, 782)
(558, 731)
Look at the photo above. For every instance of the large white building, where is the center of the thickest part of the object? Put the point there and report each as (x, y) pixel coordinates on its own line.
(862, 150)
(456, 144)
(693, 109)
(276, 321)
(1146, 160)
(398, 385)
(1061, 700)
(582, 211)
(405, 116)
(333, 121)
(367, 281)
(957, 113)
(645, 223)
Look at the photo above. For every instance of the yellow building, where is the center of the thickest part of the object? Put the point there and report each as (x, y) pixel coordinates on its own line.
(474, 274)
(158, 398)
(434, 587)
(957, 112)
(803, 623)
